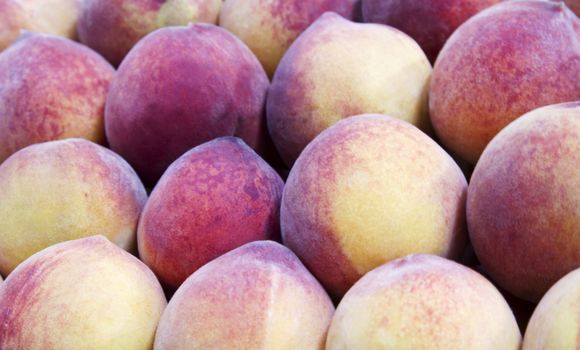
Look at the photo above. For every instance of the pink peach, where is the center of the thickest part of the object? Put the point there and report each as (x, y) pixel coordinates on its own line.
(81, 294)
(429, 22)
(337, 69)
(368, 190)
(555, 323)
(258, 296)
(269, 27)
(216, 197)
(113, 27)
(62, 190)
(523, 203)
(503, 62)
(51, 88)
(180, 87)
(423, 302)
(57, 17)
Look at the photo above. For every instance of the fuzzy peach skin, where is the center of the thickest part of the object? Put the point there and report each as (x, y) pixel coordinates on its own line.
(51, 88)
(368, 190)
(58, 17)
(269, 27)
(423, 302)
(429, 22)
(113, 27)
(337, 69)
(258, 296)
(214, 198)
(180, 87)
(81, 294)
(523, 205)
(63, 190)
(505, 61)
(555, 323)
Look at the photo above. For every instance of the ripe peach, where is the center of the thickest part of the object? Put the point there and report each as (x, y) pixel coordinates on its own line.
(505, 61)
(81, 294)
(113, 27)
(63, 190)
(555, 324)
(368, 190)
(337, 69)
(524, 199)
(211, 200)
(423, 302)
(51, 88)
(429, 22)
(180, 87)
(258, 296)
(269, 27)
(57, 17)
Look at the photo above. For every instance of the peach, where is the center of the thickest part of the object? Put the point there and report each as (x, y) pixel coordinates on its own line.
(430, 23)
(63, 190)
(113, 27)
(555, 324)
(524, 199)
(336, 69)
(81, 294)
(499, 65)
(258, 296)
(180, 87)
(51, 88)
(423, 302)
(214, 198)
(368, 190)
(269, 27)
(57, 17)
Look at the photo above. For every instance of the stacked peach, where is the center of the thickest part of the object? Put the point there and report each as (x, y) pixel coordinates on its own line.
(52, 88)
(377, 239)
(63, 190)
(113, 27)
(337, 69)
(180, 87)
(57, 17)
(269, 27)
(81, 294)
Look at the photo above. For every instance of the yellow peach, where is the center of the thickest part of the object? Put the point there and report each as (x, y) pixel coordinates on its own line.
(81, 294)
(63, 190)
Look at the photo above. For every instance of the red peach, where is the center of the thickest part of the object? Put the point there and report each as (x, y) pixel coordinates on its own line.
(113, 27)
(180, 87)
(216, 197)
(51, 88)
(523, 203)
(503, 62)
(429, 22)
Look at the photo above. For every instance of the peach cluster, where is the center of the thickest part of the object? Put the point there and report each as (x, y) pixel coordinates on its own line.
(289, 174)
